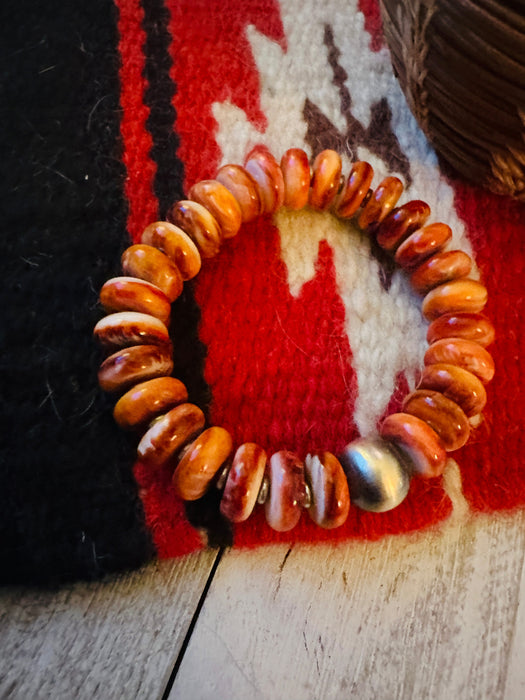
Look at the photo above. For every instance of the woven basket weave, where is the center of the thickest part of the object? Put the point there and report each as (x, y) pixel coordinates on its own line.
(461, 65)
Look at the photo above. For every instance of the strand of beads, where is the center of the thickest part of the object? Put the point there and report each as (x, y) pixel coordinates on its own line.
(374, 472)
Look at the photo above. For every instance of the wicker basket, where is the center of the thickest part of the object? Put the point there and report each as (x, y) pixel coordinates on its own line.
(461, 65)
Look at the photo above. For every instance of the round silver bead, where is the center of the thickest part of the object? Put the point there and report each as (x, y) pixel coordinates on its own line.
(378, 479)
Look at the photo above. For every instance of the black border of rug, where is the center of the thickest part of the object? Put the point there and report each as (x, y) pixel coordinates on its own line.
(69, 506)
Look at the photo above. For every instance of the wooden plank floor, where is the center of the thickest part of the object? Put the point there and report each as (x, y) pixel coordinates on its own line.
(434, 615)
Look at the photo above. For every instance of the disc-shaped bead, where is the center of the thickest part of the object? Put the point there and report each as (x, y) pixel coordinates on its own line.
(383, 200)
(329, 487)
(221, 204)
(295, 168)
(326, 176)
(354, 190)
(444, 416)
(152, 265)
(133, 294)
(469, 326)
(177, 245)
(457, 384)
(441, 267)
(400, 223)
(243, 482)
(378, 479)
(201, 462)
(169, 433)
(147, 400)
(458, 295)
(243, 187)
(464, 353)
(125, 328)
(135, 364)
(287, 494)
(418, 441)
(267, 173)
(200, 226)
(421, 244)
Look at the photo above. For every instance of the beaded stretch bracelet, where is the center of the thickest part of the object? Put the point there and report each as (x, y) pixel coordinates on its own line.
(372, 472)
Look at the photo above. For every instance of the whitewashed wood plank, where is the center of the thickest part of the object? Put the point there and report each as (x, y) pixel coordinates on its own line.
(423, 616)
(515, 682)
(112, 639)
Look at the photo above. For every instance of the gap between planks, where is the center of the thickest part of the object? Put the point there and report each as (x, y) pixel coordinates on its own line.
(437, 614)
(118, 638)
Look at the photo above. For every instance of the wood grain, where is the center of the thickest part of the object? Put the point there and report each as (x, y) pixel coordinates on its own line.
(437, 615)
(115, 639)
(431, 615)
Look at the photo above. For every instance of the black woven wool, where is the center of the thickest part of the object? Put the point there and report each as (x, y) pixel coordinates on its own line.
(68, 502)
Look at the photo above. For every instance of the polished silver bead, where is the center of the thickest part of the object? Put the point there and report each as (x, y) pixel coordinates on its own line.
(378, 479)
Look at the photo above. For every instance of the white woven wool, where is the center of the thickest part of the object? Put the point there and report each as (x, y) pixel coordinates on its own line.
(385, 328)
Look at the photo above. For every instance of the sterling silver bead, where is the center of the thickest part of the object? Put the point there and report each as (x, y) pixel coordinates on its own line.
(378, 479)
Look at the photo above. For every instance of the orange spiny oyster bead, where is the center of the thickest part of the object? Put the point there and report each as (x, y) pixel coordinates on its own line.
(267, 173)
(383, 200)
(421, 244)
(241, 184)
(444, 416)
(440, 268)
(221, 203)
(243, 482)
(457, 384)
(470, 326)
(354, 190)
(418, 440)
(457, 295)
(133, 294)
(135, 364)
(176, 244)
(199, 224)
(150, 264)
(400, 223)
(169, 433)
(326, 177)
(463, 353)
(295, 168)
(125, 328)
(147, 400)
(287, 493)
(329, 488)
(201, 461)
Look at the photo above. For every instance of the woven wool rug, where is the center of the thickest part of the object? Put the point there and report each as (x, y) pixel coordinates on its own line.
(298, 335)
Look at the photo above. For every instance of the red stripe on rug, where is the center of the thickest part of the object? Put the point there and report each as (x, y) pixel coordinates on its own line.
(492, 462)
(136, 140)
(164, 516)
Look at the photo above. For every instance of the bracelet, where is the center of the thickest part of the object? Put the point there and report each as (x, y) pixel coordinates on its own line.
(372, 472)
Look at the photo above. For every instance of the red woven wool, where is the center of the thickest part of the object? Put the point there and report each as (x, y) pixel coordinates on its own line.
(291, 382)
(212, 66)
(492, 463)
(136, 139)
(373, 24)
(280, 364)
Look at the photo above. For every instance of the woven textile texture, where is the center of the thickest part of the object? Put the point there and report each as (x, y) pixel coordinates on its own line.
(298, 335)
